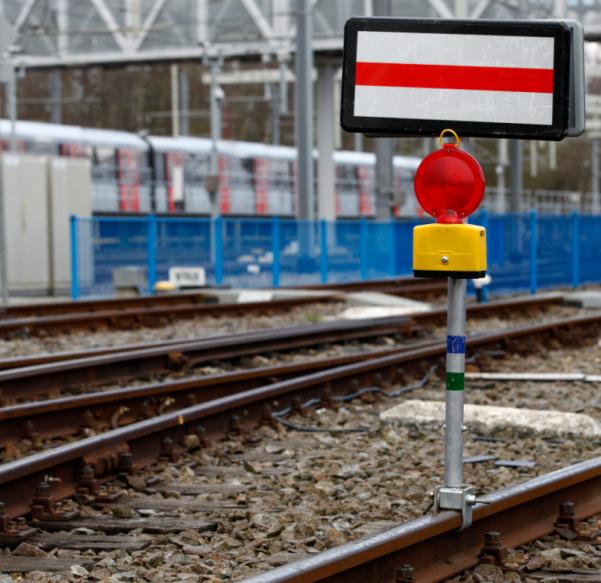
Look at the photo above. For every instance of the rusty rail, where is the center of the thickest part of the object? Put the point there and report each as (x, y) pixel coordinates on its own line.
(117, 407)
(142, 363)
(433, 317)
(144, 314)
(100, 411)
(432, 546)
(123, 449)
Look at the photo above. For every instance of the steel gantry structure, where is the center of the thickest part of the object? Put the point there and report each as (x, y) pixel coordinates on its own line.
(72, 33)
(53, 33)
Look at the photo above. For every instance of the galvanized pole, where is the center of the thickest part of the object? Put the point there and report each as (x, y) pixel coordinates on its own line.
(4, 293)
(453, 453)
(12, 109)
(184, 104)
(304, 110)
(517, 171)
(55, 96)
(174, 100)
(216, 99)
(384, 187)
(501, 202)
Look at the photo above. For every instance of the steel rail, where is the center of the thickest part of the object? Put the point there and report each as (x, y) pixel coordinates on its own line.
(109, 408)
(434, 547)
(149, 315)
(99, 411)
(434, 317)
(102, 304)
(142, 443)
(44, 379)
(172, 299)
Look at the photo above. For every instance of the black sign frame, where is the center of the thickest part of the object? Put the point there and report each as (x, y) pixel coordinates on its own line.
(386, 126)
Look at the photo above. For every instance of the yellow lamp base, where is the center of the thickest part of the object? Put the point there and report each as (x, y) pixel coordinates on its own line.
(449, 250)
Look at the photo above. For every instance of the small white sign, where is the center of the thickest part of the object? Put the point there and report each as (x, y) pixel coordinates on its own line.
(187, 276)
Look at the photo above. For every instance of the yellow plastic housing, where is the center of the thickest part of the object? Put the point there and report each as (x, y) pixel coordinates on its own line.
(449, 250)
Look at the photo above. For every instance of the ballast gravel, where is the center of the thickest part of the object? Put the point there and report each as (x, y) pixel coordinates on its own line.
(194, 327)
(280, 494)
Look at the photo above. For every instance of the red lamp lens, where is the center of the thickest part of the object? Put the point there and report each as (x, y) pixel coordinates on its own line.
(449, 184)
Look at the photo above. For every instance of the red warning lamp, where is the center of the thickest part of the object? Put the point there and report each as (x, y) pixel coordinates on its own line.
(449, 183)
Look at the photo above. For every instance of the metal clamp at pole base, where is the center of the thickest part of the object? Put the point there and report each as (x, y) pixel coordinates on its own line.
(461, 499)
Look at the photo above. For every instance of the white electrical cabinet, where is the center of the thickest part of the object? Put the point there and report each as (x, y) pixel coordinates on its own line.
(40, 193)
(68, 194)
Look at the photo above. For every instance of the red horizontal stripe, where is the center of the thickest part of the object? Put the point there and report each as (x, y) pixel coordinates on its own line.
(455, 77)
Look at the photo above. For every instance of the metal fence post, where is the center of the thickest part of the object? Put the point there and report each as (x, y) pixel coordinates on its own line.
(323, 245)
(74, 258)
(218, 228)
(533, 251)
(151, 251)
(276, 243)
(363, 248)
(575, 249)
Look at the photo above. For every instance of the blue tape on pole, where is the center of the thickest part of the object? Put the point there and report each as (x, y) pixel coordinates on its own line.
(456, 344)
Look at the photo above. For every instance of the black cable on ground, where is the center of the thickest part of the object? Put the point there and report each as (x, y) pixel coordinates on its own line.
(279, 415)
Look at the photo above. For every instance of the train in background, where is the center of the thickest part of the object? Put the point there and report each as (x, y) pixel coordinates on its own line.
(134, 173)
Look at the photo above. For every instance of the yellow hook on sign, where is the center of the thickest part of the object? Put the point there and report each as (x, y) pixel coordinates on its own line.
(457, 140)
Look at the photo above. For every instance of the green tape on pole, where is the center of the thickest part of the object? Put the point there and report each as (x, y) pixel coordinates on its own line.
(455, 381)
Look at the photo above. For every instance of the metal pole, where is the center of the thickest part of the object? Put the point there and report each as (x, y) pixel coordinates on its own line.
(304, 109)
(595, 206)
(12, 109)
(55, 96)
(453, 446)
(384, 148)
(501, 202)
(174, 100)
(275, 114)
(3, 258)
(517, 171)
(216, 100)
(326, 171)
(184, 104)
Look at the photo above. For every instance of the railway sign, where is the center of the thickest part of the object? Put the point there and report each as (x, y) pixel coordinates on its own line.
(511, 79)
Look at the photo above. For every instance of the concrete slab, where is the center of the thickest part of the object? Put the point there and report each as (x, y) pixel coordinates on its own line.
(233, 296)
(365, 305)
(368, 298)
(485, 419)
(583, 299)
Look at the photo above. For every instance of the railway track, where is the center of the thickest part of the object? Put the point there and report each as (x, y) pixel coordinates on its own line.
(101, 367)
(94, 412)
(124, 313)
(37, 376)
(83, 465)
(104, 315)
(432, 549)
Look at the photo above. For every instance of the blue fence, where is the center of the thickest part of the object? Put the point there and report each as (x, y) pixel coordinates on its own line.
(526, 252)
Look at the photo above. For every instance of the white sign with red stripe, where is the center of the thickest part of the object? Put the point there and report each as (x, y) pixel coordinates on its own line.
(482, 78)
(501, 74)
